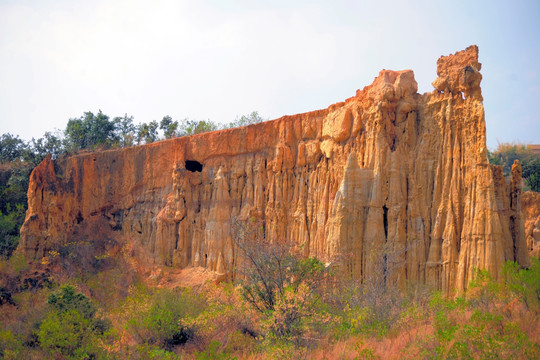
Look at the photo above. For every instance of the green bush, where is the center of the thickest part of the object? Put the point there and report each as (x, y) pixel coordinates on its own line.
(484, 335)
(13, 204)
(278, 282)
(70, 328)
(150, 352)
(213, 352)
(69, 334)
(10, 346)
(524, 283)
(10, 223)
(157, 317)
(480, 326)
(67, 299)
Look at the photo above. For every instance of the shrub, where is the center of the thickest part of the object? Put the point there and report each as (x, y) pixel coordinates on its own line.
(10, 347)
(70, 328)
(482, 335)
(524, 283)
(68, 334)
(10, 224)
(67, 299)
(227, 318)
(214, 352)
(480, 326)
(157, 317)
(149, 352)
(483, 292)
(278, 282)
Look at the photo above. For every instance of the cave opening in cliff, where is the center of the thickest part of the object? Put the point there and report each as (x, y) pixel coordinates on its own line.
(193, 166)
(385, 221)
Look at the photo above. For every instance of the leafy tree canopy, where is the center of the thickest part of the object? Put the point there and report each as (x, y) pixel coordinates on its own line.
(244, 120)
(192, 127)
(125, 130)
(148, 132)
(11, 148)
(90, 131)
(168, 126)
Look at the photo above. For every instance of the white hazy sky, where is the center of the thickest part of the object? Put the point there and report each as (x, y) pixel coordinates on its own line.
(219, 59)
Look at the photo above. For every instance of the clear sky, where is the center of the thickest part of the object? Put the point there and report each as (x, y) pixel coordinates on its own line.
(216, 60)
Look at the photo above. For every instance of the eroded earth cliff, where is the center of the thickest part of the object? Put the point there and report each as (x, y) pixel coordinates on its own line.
(387, 171)
(530, 201)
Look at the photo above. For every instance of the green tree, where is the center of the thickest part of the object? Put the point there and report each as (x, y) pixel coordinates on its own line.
(90, 131)
(244, 120)
(168, 126)
(277, 281)
(506, 153)
(68, 299)
(13, 192)
(524, 283)
(11, 148)
(531, 174)
(101, 129)
(147, 132)
(192, 127)
(40, 148)
(69, 335)
(13, 204)
(10, 223)
(158, 317)
(70, 329)
(75, 135)
(493, 158)
(125, 130)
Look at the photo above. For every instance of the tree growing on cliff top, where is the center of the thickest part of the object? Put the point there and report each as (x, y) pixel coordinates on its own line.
(147, 132)
(192, 127)
(90, 131)
(168, 126)
(244, 120)
(125, 130)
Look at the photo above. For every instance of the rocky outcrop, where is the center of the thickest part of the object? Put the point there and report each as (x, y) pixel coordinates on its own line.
(388, 171)
(530, 205)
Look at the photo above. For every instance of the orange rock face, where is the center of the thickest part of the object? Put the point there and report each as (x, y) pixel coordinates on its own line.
(530, 205)
(386, 169)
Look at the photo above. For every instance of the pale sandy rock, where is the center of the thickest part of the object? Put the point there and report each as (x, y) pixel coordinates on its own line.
(337, 125)
(530, 206)
(386, 169)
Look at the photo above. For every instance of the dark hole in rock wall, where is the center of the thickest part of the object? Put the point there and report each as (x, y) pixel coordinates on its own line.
(193, 166)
